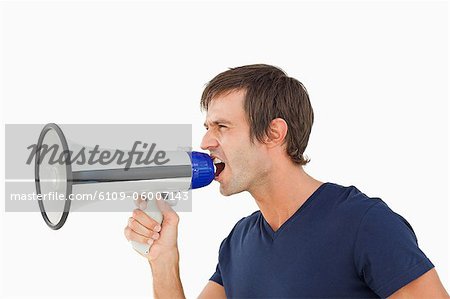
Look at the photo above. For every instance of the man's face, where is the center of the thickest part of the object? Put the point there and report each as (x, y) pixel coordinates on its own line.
(228, 139)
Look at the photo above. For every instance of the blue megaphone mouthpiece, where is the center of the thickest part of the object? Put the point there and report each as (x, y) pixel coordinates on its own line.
(202, 170)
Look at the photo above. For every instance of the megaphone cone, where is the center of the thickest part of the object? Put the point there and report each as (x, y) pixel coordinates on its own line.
(181, 171)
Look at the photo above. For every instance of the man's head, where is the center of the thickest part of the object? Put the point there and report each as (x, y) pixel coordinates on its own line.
(257, 117)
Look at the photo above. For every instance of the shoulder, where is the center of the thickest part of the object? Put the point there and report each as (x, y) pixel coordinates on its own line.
(246, 223)
(350, 203)
(350, 212)
(364, 218)
(241, 228)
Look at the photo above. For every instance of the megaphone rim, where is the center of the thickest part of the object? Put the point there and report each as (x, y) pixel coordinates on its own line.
(48, 127)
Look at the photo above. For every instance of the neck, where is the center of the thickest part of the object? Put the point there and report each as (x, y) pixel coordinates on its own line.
(283, 192)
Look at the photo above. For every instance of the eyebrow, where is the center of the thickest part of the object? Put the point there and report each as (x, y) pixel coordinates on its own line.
(218, 121)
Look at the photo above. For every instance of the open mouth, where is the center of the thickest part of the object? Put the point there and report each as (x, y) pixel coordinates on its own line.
(219, 167)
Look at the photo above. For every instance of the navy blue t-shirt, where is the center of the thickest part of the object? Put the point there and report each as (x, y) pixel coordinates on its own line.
(339, 244)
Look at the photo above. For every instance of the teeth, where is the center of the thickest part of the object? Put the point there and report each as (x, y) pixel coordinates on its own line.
(217, 160)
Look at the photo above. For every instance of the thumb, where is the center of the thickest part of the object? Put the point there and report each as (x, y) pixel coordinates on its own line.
(169, 228)
(170, 217)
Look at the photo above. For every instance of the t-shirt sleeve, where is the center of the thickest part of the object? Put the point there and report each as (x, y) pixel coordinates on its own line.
(387, 255)
(217, 276)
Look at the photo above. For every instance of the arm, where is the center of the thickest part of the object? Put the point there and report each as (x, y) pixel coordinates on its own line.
(426, 286)
(166, 276)
(163, 256)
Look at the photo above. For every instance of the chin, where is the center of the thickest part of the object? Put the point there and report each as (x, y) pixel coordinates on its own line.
(227, 192)
(224, 192)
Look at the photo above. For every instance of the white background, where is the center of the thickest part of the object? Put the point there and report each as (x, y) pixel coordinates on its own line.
(377, 75)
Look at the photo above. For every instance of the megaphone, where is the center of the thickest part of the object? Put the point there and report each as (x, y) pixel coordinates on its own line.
(182, 171)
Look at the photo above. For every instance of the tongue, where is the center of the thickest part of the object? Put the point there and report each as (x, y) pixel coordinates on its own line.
(219, 168)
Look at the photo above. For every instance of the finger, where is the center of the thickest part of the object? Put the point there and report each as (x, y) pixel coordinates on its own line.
(141, 203)
(142, 230)
(139, 228)
(133, 236)
(146, 220)
(169, 215)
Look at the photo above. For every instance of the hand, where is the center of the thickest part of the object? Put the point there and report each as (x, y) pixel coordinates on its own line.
(162, 238)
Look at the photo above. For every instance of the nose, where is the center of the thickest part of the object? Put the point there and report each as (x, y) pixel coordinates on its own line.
(209, 141)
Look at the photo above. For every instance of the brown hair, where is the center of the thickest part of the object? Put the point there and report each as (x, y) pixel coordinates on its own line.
(269, 94)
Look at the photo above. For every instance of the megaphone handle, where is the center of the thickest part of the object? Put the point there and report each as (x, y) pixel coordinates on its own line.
(154, 213)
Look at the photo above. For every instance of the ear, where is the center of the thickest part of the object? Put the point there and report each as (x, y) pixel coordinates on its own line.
(276, 132)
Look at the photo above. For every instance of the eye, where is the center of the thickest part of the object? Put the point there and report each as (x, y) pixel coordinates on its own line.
(222, 126)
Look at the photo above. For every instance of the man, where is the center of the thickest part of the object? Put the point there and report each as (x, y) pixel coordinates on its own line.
(309, 239)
